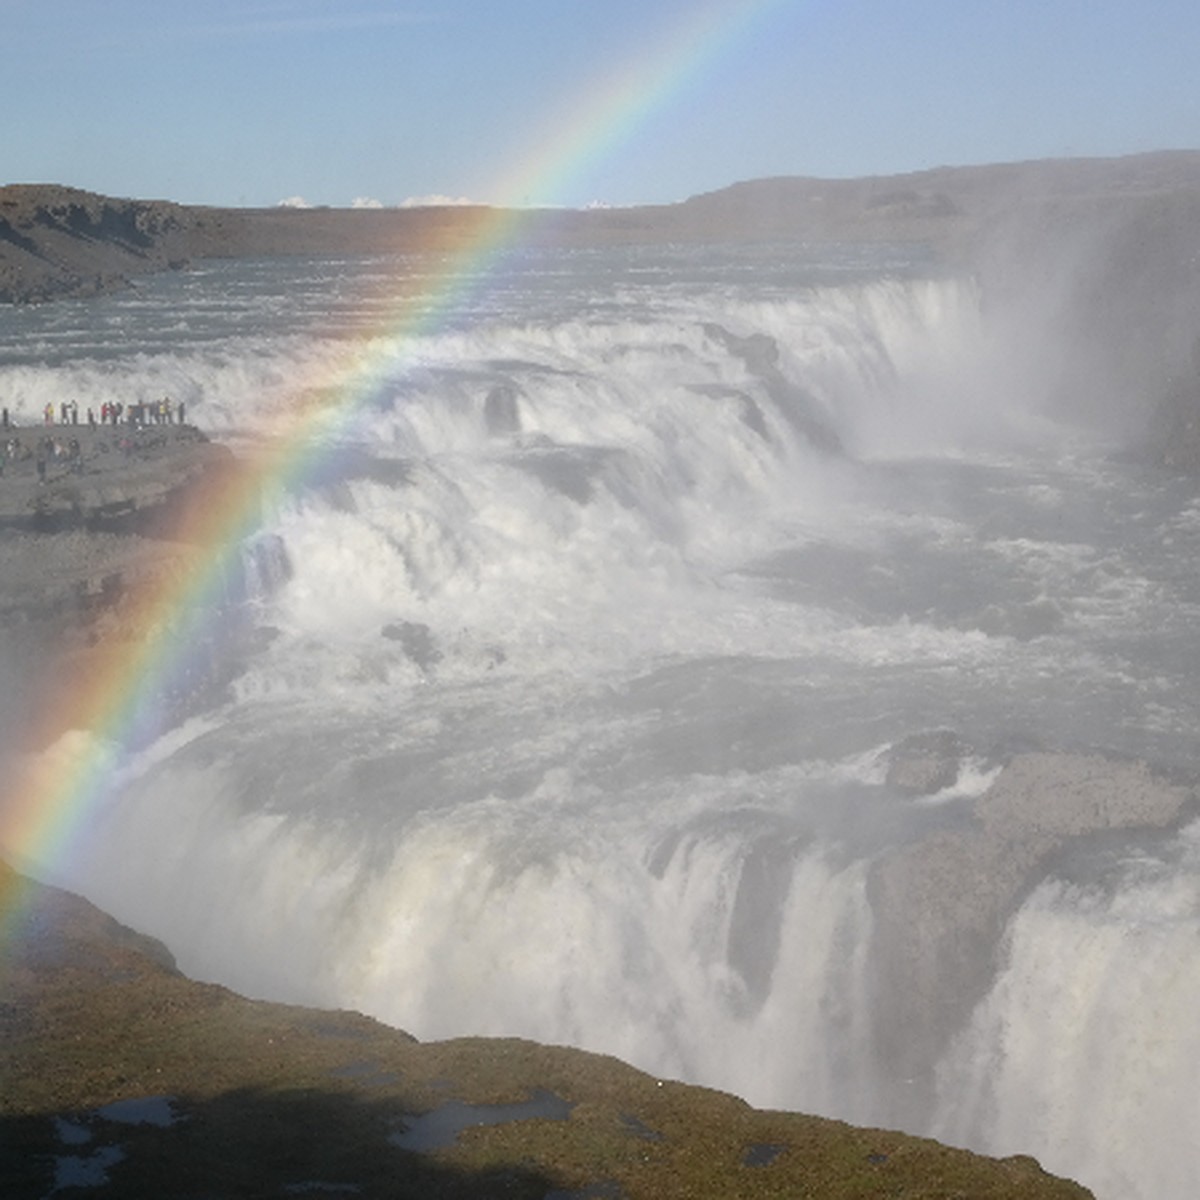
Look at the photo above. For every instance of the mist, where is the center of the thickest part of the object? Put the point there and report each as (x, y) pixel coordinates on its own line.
(745, 671)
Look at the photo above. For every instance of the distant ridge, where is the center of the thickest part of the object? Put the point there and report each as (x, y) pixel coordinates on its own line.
(948, 207)
(58, 241)
(1047, 177)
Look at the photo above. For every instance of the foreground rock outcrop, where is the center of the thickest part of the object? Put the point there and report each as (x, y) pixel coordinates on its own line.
(119, 1075)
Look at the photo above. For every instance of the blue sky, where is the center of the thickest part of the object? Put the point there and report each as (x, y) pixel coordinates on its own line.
(572, 101)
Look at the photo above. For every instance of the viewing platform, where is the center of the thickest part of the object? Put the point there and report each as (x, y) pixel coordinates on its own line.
(126, 478)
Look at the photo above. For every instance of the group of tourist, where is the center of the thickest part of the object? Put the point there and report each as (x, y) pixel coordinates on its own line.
(47, 450)
(151, 412)
(68, 452)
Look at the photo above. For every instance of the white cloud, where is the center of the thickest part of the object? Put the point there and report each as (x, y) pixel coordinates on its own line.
(365, 202)
(435, 201)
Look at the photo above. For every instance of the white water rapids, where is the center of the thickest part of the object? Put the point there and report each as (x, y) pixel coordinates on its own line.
(577, 660)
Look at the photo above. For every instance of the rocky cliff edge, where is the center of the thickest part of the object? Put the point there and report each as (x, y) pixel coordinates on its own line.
(124, 1078)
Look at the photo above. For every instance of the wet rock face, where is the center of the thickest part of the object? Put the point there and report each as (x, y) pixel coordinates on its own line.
(89, 516)
(801, 410)
(1058, 796)
(502, 411)
(925, 763)
(1174, 432)
(417, 641)
(91, 521)
(941, 904)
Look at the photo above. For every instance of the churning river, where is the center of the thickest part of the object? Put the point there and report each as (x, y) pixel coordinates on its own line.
(578, 654)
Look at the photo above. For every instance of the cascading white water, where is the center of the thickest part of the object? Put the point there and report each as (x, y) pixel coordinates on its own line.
(1084, 1051)
(579, 654)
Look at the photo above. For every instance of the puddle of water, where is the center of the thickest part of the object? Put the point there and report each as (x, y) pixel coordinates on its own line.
(91, 1170)
(369, 1074)
(762, 1154)
(316, 1185)
(80, 1171)
(71, 1133)
(640, 1128)
(608, 1190)
(441, 1127)
(141, 1110)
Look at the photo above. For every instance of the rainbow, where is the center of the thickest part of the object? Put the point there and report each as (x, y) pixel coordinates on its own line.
(44, 812)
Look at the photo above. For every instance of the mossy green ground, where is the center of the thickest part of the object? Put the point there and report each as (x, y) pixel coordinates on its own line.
(273, 1100)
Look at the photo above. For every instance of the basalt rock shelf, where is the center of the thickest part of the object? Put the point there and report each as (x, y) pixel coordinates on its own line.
(56, 478)
(122, 1078)
(91, 519)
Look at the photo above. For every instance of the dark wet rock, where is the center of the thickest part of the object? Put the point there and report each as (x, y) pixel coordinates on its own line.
(748, 411)
(925, 763)
(501, 411)
(571, 471)
(797, 407)
(416, 640)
